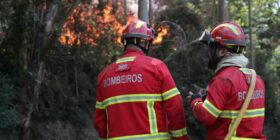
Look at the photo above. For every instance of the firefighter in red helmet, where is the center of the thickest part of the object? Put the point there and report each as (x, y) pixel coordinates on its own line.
(227, 90)
(137, 98)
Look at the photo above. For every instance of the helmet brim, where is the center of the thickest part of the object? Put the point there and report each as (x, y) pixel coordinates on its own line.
(234, 43)
(136, 36)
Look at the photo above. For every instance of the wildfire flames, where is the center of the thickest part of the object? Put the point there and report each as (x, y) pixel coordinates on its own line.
(88, 25)
(161, 31)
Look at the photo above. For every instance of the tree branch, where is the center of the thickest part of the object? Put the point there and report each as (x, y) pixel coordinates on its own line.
(58, 26)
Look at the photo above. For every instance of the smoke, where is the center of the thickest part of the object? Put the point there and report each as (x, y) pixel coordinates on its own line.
(94, 1)
(133, 7)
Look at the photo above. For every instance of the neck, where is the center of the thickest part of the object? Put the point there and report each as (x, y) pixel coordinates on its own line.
(132, 47)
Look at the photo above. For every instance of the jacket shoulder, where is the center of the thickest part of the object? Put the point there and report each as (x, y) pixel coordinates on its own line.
(228, 72)
(105, 70)
(151, 60)
(235, 74)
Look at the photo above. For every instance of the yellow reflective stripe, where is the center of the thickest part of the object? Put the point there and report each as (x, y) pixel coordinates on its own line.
(179, 133)
(211, 108)
(138, 25)
(158, 136)
(125, 59)
(152, 117)
(239, 138)
(245, 70)
(250, 113)
(196, 103)
(234, 29)
(99, 105)
(170, 93)
(131, 98)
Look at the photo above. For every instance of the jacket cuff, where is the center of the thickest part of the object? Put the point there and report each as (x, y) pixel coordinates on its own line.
(194, 102)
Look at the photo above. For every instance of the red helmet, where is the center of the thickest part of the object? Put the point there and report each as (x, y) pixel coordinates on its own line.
(228, 34)
(138, 32)
(138, 29)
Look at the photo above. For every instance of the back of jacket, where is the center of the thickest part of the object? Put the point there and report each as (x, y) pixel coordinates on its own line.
(137, 99)
(226, 93)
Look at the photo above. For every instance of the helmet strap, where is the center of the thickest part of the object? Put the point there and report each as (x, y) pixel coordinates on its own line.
(137, 42)
(236, 49)
(145, 48)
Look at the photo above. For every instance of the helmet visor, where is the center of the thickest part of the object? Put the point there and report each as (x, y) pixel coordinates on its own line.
(205, 37)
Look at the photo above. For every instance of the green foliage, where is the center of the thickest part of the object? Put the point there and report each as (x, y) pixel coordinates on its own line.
(274, 62)
(265, 20)
(69, 86)
(8, 108)
(68, 91)
(190, 21)
(189, 70)
(186, 60)
(183, 26)
(238, 11)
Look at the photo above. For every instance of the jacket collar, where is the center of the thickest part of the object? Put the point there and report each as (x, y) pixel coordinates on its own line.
(238, 60)
(133, 51)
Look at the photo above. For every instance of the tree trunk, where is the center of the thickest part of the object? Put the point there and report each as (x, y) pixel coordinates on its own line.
(250, 34)
(208, 11)
(213, 12)
(143, 10)
(36, 69)
(58, 26)
(125, 7)
(221, 11)
(44, 39)
(150, 11)
(33, 91)
(76, 78)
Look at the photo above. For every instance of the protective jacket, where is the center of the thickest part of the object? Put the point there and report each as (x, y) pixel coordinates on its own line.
(226, 93)
(137, 100)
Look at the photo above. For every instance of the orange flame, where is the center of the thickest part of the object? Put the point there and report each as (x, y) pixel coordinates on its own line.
(67, 38)
(121, 28)
(108, 16)
(162, 31)
(97, 24)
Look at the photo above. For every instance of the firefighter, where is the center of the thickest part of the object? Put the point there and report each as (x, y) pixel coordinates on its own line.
(228, 88)
(137, 98)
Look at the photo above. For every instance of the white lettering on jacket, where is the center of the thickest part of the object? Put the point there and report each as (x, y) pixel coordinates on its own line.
(123, 79)
(122, 67)
(257, 94)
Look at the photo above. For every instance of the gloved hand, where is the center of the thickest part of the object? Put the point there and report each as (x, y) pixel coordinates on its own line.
(192, 98)
(201, 91)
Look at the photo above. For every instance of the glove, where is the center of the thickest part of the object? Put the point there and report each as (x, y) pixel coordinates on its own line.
(201, 91)
(194, 98)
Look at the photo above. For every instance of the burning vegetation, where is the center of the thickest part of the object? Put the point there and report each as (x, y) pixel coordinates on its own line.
(91, 23)
(161, 32)
(94, 24)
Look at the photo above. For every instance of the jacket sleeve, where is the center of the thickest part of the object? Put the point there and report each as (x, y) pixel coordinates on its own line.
(100, 117)
(208, 111)
(173, 105)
